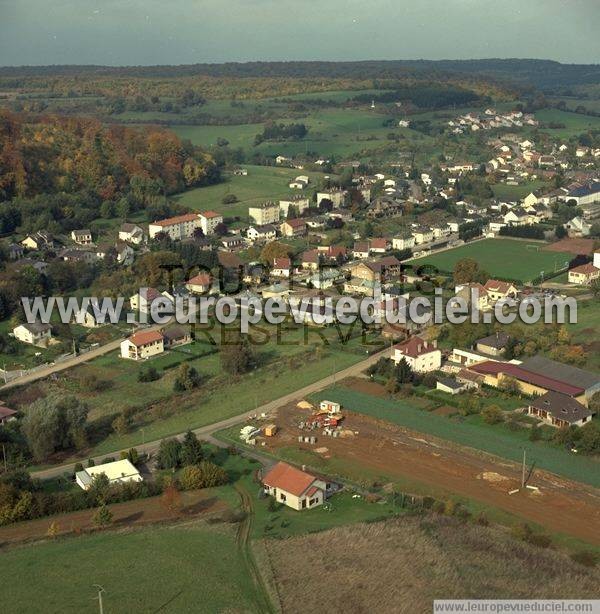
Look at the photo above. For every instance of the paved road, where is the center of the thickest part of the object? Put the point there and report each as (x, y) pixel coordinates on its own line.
(205, 432)
(61, 366)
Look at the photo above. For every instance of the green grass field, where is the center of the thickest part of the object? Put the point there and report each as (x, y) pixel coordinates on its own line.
(191, 568)
(503, 258)
(574, 123)
(516, 192)
(262, 183)
(339, 132)
(472, 434)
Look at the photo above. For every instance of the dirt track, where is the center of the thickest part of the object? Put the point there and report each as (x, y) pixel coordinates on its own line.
(561, 505)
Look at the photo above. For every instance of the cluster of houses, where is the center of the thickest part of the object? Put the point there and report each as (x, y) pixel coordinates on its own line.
(490, 119)
(559, 394)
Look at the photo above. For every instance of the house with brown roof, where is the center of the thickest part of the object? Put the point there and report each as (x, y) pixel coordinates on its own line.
(6, 414)
(361, 249)
(422, 356)
(294, 487)
(583, 275)
(142, 345)
(559, 410)
(293, 228)
(493, 345)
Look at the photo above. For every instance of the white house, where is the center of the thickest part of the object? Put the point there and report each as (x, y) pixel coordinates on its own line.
(131, 233)
(403, 242)
(35, 334)
(578, 227)
(209, 220)
(117, 472)
(261, 233)
(422, 356)
(146, 297)
(295, 488)
(82, 237)
(142, 345)
(177, 228)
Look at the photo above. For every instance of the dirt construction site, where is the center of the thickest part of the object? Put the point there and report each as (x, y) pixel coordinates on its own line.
(392, 452)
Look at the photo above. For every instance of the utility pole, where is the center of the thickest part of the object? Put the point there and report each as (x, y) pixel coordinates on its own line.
(100, 604)
(4, 457)
(523, 469)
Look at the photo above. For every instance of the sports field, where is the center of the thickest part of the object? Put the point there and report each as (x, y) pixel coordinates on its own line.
(509, 259)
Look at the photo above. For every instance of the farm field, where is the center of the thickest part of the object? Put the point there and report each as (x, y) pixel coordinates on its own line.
(332, 132)
(261, 184)
(205, 569)
(503, 258)
(575, 123)
(455, 561)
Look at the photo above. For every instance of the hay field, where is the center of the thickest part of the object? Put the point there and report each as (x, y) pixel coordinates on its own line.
(403, 565)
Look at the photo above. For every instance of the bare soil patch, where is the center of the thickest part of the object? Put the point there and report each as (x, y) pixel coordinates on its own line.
(447, 469)
(573, 245)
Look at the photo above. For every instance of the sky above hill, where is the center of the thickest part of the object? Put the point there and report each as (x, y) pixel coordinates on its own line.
(131, 32)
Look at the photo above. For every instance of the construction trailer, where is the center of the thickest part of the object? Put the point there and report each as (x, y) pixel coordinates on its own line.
(330, 407)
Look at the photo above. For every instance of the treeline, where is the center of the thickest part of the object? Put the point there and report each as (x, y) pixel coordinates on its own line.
(281, 132)
(528, 231)
(427, 96)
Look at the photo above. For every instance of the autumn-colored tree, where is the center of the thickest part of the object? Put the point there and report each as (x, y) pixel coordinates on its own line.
(273, 250)
(468, 271)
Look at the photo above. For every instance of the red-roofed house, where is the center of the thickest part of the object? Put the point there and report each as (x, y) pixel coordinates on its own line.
(379, 245)
(199, 284)
(584, 275)
(422, 356)
(495, 372)
(282, 267)
(142, 345)
(294, 487)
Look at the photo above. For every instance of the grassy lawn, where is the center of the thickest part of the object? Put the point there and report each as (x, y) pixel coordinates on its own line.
(262, 183)
(191, 568)
(497, 441)
(516, 192)
(587, 331)
(503, 258)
